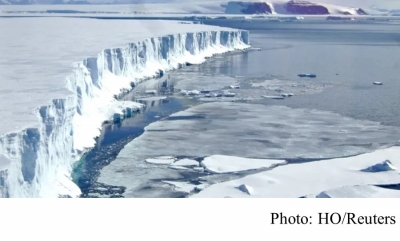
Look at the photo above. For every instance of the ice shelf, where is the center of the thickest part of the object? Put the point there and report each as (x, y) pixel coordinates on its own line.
(59, 78)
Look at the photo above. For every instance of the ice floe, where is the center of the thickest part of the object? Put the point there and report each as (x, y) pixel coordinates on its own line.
(186, 162)
(177, 167)
(297, 180)
(164, 160)
(181, 186)
(359, 191)
(226, 164)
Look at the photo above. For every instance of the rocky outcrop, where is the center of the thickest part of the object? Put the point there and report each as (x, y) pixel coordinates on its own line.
(237, 7)
(306, 8)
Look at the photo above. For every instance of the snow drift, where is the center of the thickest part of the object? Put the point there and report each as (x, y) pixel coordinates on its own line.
(37, 161)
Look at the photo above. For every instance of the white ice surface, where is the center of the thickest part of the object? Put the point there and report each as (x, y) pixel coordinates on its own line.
(153, 98)
(177, 167)
(296, 180)
(362, 191)
(384, 166)
(118, 107)
(224, 164)
(186, 162)
(161, 160)
(65, 185)
(4, 162)
(246, 189)
(182, 186)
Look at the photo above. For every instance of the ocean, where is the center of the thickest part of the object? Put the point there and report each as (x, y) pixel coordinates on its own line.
(338, 113)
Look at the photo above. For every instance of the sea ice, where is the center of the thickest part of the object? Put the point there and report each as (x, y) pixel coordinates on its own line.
(182, 186)
(266, 132)
(153, 98)
(381, 167)
(177, 167)
(297, 180)
(246, 189)
(161, 160)
(186, 162)
(226, 164)
(151, 92)
(359, 191)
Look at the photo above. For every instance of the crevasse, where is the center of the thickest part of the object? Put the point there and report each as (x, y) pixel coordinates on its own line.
(41, 159)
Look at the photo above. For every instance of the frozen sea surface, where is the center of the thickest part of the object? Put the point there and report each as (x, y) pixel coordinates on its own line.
(34, 67)
(332, 177)
(259, 131)
(273, 132)
(359, 191)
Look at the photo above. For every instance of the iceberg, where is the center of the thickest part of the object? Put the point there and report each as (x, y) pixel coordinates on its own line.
(54, 112)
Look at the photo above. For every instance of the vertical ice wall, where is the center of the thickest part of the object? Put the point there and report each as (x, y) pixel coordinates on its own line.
(37, 162)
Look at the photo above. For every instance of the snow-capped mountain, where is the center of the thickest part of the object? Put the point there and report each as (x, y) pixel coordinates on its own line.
(289, 7)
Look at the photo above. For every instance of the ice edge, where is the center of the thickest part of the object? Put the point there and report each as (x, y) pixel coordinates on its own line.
(40, 159)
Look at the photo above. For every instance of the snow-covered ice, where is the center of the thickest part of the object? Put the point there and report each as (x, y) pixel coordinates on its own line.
(60, 77)
(246, 189)
(177, 167)
(4, 162)
(381, 167)
(161, 160)
(186, 162)
(153, 98)
(182, 186)
(312, 178)
(359, 191)
(118, 107)
(226, 164)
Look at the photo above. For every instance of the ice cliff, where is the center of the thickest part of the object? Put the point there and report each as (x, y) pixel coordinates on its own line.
(37, 161)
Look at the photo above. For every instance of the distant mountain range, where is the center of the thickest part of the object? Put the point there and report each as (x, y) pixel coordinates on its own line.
(31, 2)
(300, 7)
(289, 7)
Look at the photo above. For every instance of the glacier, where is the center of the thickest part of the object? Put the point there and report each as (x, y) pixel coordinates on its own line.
(53, 112)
